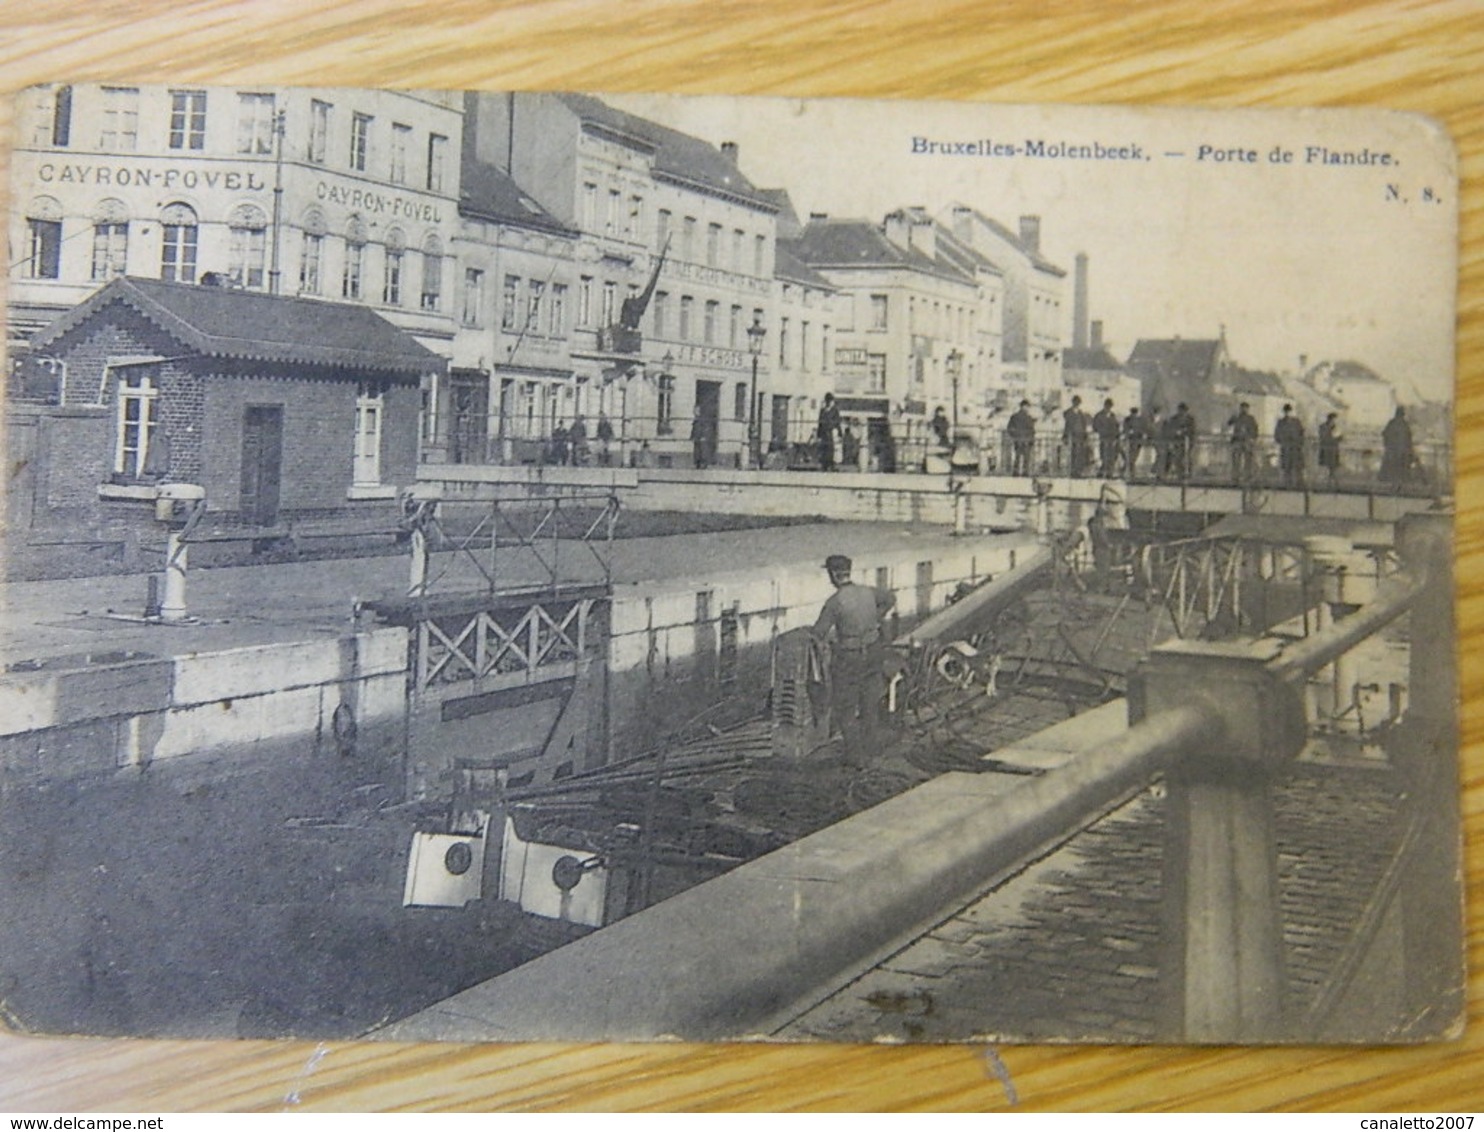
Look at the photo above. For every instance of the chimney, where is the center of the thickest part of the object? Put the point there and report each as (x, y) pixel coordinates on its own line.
(922, 232)
(1030, 233)
(899, 228)
(963, 224)
(1097, 334)
(1079, 301)
(1303, 363)
(729, 151)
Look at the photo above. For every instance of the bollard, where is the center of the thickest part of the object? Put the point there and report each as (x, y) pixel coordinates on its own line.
(1223, 973)
(181, 506)
(173, 604)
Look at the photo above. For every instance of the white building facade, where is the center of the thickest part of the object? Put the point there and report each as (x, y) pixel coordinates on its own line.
(341, 194)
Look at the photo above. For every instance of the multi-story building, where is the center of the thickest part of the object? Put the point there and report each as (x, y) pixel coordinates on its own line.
(341, 194)
(511, 382)
(907, 334)
(674, 264)
(1033, 300)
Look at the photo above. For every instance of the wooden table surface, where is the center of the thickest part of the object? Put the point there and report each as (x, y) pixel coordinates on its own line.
(1415, 56)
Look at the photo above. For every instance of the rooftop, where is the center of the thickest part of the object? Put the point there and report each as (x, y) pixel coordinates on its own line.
(681, 156)
(227, 322)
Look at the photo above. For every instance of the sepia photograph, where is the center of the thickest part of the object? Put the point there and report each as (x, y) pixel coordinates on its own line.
(540, 566)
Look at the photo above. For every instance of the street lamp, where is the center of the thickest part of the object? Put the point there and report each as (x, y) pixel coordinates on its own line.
(755, 336)
(954, 365)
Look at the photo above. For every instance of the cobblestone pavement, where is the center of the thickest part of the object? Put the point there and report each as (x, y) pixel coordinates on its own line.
(1070, 948)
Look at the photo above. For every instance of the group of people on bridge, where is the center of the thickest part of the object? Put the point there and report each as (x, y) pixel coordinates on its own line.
(1171, 441)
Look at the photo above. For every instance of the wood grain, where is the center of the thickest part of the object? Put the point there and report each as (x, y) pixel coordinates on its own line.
(1424, 56)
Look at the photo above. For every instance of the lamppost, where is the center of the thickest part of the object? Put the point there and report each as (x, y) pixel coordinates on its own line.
(755, 336)
(954, 364)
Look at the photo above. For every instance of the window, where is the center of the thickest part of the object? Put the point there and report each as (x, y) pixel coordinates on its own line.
(636, 217)
(875, 373)
(370, 402)
(738, 239)
(759, 255)
(248, 228)
(360, 141)
(557, 321)
(43, 249)
(391, 288)
(665, 405)
(661, 313)
(473, 296)
(662, 229)
(713, 245)
(585, 301)
(803, 345)
(187, 119)
(783, 343)
(437, 161)
(610, 302)
(178, 234)
(533, 308)
(319, 130)
(824, 348)
(510, 303)
(688, 238)
(708, 327)
(119, 125)
(355, 259)
(739, 402)
(432, 274)
(589, 206)
(686, 303)
(614, 223)
(58, 118)
(110, 248)
(734, 329)
(255, 123)
(401, 137)
(138, 417)
(878, 312)
(311, 264)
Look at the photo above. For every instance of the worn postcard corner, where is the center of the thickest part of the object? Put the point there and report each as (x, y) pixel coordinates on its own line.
(514, 566)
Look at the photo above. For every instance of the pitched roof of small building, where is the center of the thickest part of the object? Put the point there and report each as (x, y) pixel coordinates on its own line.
(222, 322)
(1089, 358)
(680, 156)
(1257, 383)
(1178, 358)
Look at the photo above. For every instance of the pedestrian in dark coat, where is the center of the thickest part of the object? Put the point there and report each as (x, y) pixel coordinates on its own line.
(1289, 435)
(1397, 455)
(1021, 431)
(1105, 426)
(1074, 435)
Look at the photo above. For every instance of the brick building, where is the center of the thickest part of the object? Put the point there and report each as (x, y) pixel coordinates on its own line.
(283, 409)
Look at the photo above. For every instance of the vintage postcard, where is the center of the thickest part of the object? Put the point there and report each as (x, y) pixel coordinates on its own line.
(498, 566)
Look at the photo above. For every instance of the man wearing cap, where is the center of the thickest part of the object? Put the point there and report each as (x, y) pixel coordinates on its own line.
(851, 622)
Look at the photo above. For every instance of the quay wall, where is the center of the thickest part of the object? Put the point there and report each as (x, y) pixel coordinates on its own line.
(77, 717)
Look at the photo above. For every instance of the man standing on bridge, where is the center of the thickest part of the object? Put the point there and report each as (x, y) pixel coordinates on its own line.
(851, 622)
(1105, 425)
(1243, 428)
(1289, 435)
(1021, 430)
